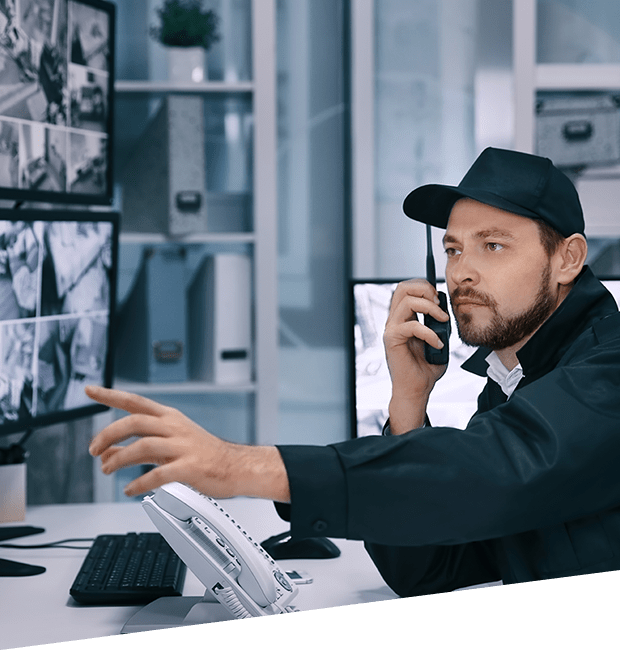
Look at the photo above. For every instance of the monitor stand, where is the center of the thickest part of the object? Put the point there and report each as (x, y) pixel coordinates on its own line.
(175, 611)
(11, 568)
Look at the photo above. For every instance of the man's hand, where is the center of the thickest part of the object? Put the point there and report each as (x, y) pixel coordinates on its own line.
(183, 451)
(413, 378)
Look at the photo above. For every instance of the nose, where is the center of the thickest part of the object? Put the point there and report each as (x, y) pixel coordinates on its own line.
(461, 270)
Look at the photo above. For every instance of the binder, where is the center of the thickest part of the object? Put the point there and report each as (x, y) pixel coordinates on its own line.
(164, 180)
(219, 320)
(151, 335)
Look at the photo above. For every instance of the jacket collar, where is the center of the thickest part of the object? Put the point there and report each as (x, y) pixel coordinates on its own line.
(587, 302)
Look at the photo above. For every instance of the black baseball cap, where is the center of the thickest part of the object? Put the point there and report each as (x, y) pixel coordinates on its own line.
(521, 183)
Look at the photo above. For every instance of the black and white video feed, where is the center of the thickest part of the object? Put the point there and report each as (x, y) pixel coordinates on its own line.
(90, 38)
(42, 158)
(56, 157)
(16, 371)
(55, 89)
(33, 60)
(76, 270)
(19, 262)
(89, 101)
(87, 358)
(87, 163)
(373, 384)
(9, 154)
(71, 355)
(55, 293)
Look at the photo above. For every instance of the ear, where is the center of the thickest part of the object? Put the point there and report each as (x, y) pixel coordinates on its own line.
(570, 258)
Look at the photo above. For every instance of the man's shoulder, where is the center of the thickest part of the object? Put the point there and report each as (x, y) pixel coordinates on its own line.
(607, 329)
(600, 342)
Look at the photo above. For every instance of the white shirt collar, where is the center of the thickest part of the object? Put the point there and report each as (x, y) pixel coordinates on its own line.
(507, 379)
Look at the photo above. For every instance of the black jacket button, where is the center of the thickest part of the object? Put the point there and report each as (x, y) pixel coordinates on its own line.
(319, 526)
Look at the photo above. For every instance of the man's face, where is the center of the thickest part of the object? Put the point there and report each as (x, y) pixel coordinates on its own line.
(498, 274)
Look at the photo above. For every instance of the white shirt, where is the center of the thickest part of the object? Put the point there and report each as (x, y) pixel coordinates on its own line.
(507, 379)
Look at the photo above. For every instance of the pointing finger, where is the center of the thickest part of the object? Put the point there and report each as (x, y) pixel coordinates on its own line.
(125, 401)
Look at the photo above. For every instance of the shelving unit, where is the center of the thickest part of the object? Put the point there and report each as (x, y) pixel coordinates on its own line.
(260, 241)
(197, 87)
(599, 191)
(531, 76)
(198, 238)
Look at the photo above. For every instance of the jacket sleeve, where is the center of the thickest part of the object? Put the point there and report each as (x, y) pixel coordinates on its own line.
(548, 455)
(414, 571)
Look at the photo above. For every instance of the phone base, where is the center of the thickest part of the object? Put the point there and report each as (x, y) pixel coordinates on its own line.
(176, 611)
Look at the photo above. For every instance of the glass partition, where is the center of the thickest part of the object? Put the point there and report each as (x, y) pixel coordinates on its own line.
(443, 92)
(141, 58)
(578, 31)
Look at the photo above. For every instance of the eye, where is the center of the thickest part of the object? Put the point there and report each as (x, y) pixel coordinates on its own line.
(494, 246)
(451, 252)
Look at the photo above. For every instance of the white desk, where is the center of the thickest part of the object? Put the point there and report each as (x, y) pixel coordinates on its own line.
(38, 609)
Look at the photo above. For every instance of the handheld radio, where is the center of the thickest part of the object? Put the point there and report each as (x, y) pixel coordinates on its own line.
(431, 354)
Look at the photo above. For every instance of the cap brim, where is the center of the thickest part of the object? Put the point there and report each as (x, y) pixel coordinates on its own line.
(432, 204)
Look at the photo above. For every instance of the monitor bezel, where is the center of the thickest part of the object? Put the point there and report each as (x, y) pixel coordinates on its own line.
(25, 214)
(21, 195)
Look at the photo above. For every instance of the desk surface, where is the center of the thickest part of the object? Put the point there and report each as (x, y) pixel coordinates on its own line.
(38, 609)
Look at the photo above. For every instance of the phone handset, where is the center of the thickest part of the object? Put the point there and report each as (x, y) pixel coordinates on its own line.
(442, 329)
(239, 572)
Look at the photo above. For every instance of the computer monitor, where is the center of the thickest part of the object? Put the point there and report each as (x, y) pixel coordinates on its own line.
(454, 399)
(56, 84)
(57, 298)
(57, 301)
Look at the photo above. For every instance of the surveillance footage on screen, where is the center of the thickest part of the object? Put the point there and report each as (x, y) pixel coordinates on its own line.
(54, 96)
(54, 307)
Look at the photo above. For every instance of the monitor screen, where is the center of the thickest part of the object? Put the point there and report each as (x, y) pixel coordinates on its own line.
(57, 297)
(56, 86)
(454, 398)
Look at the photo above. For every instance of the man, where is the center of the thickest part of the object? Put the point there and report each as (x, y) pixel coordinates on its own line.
(529, 489)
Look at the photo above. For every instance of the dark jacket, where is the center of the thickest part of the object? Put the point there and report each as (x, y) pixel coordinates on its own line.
(530, 489)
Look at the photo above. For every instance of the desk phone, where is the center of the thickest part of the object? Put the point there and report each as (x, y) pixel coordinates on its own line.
(234, 568)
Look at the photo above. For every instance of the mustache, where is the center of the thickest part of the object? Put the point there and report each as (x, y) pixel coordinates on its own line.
(472, 294)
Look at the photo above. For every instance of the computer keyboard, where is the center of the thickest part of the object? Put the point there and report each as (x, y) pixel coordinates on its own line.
(128, 569)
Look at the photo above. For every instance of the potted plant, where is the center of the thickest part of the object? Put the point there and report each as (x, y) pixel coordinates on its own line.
(187, 31)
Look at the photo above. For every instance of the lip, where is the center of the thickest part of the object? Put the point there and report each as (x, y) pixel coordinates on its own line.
(472, 303)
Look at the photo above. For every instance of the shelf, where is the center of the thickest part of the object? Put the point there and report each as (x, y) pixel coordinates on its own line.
(182, 388)
(196, 238)
(224, 87)
(601, 76)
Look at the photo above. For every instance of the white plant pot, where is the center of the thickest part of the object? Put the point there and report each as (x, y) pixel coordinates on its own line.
(12, 493)
(187, 64)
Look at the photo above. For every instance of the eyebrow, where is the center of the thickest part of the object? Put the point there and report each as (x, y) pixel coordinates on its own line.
(483, 234)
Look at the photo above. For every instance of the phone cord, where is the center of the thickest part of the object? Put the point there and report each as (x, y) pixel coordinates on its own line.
(233, 603)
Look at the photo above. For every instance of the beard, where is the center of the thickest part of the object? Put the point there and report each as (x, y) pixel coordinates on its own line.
(504, 332)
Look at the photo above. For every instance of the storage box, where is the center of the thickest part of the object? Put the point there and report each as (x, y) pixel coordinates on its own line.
(578, 129)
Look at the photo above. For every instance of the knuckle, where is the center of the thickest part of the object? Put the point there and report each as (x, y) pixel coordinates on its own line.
(145, 445)
(134, 421)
